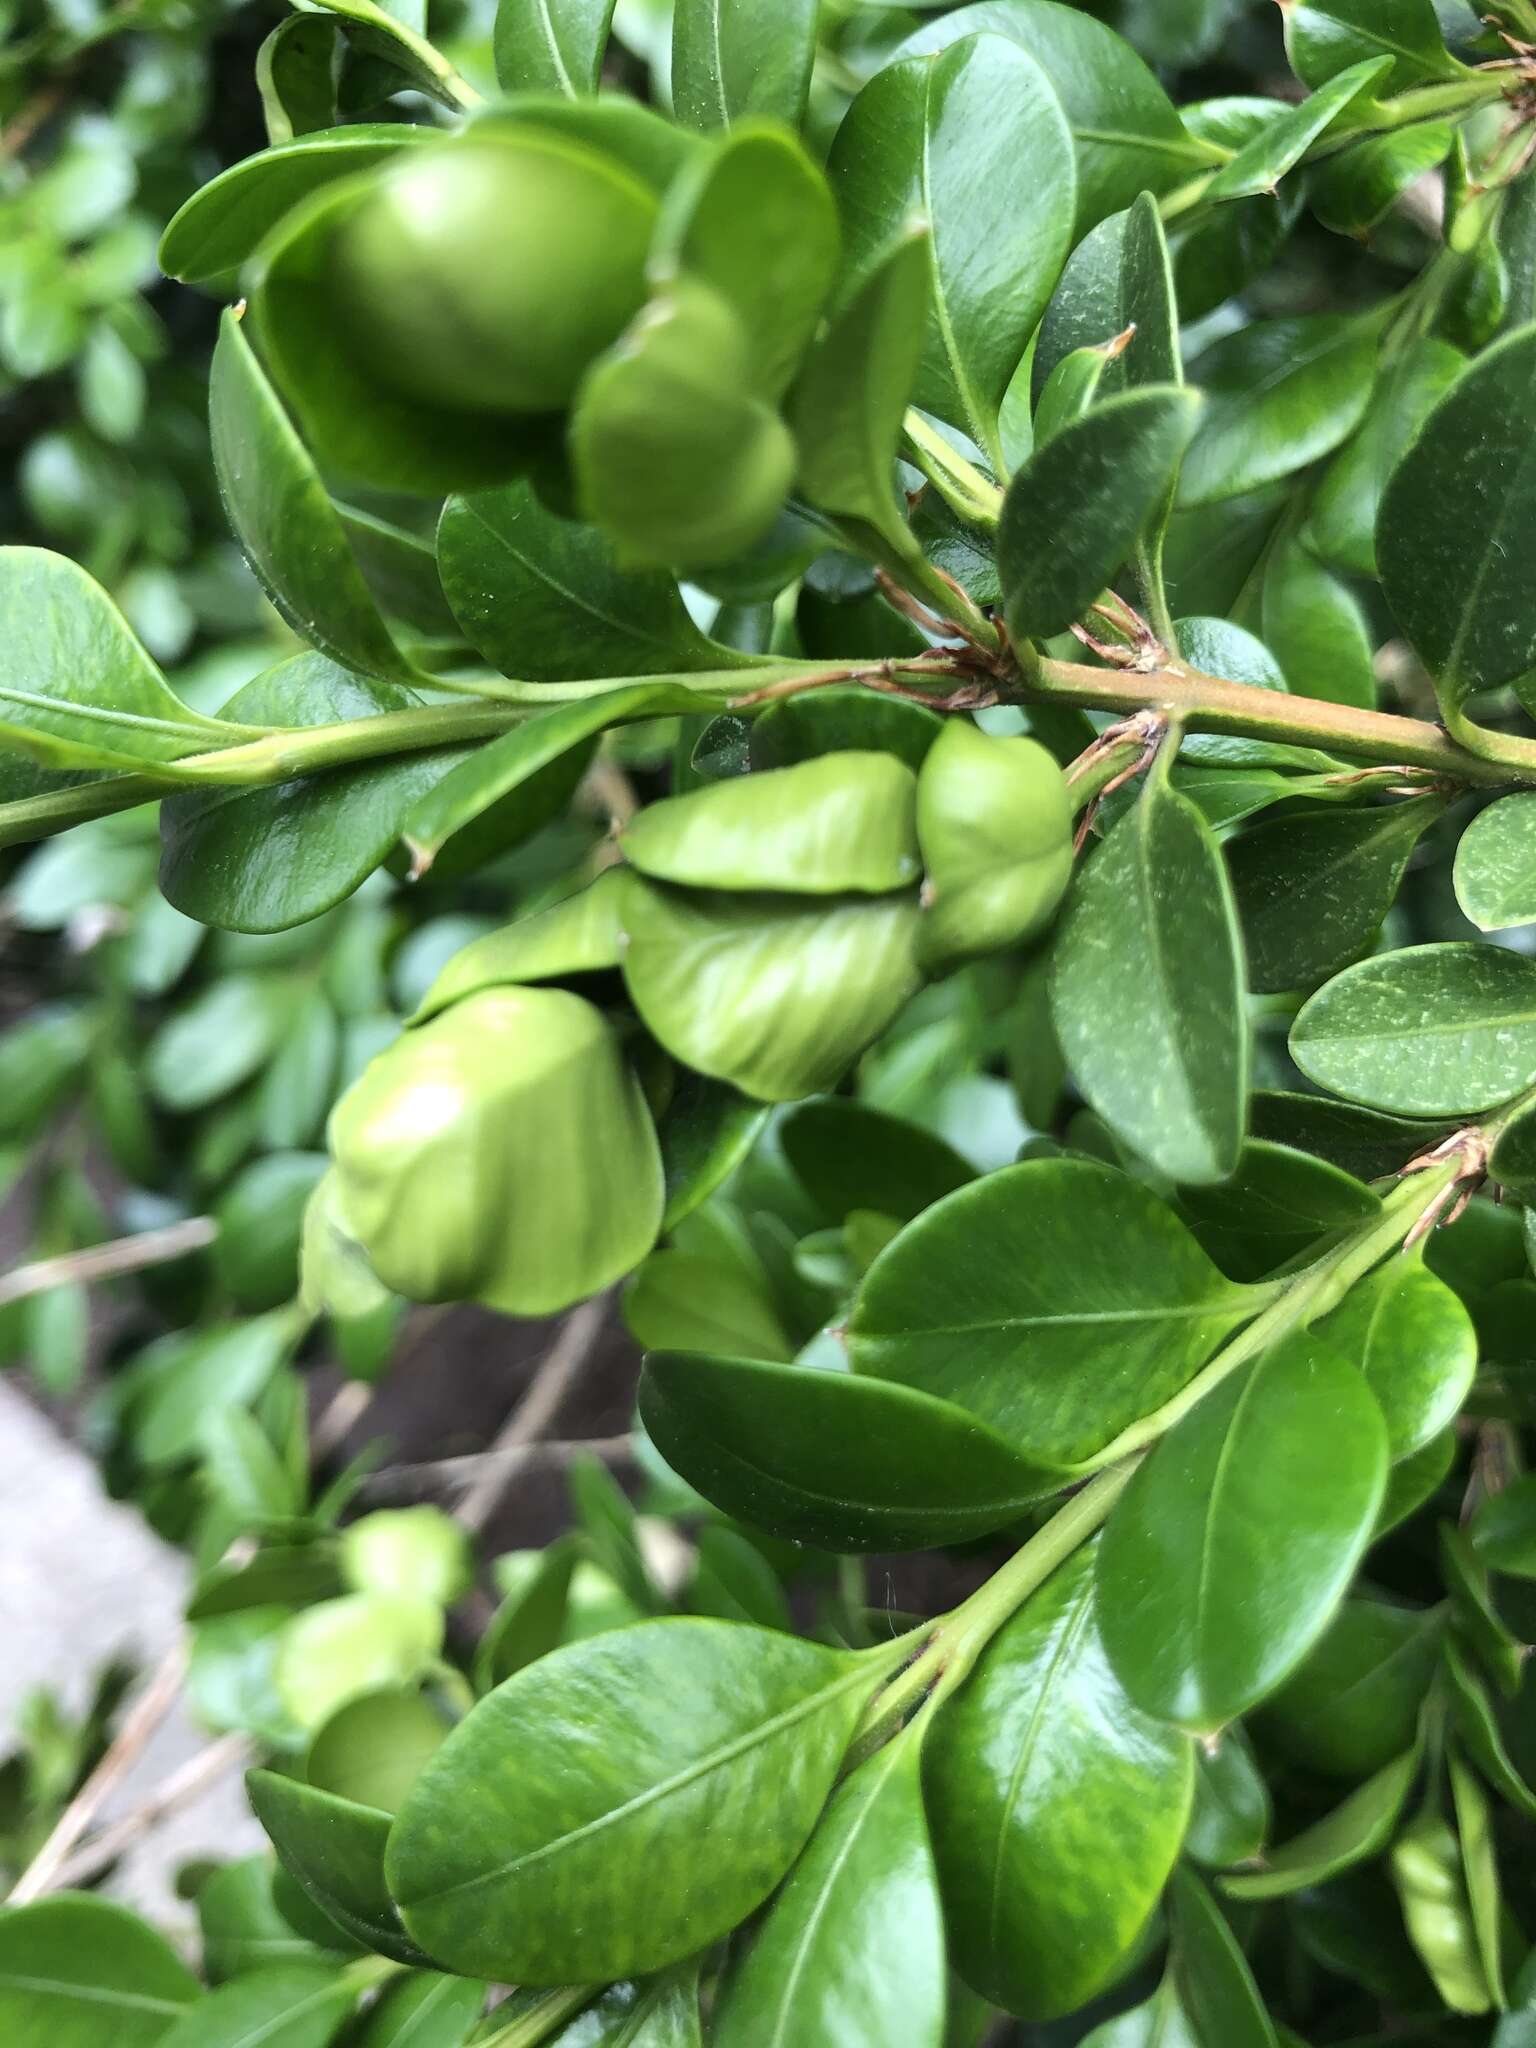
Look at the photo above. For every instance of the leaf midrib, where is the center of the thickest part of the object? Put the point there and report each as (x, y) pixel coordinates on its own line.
(579, 600)
(89, 1994)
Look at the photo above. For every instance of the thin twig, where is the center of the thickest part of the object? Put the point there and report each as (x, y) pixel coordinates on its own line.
(503, 1462)
(151, 1708)
(339, 1417)
(196, 1775)
(107, 1261)
(556, 1375)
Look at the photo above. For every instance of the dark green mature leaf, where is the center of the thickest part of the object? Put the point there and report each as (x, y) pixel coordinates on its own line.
(291, 532)
(666, 1777)
(1281, 144)
(292, 2006)
(1351, 1834)
(1476, 1722)
(529, 1622)
(1234, 1543)
(1147, 989)
(544, 598)
(1362, 1141)
(731, 58)
(1128, 137)
(1119, 277)
(73, 1965)
(852, 1949)
(1233, 1812)
(1103, 1310)
(551, 45)
(829, 1458)
(223, 222)
(1357, 189)
(1458, 526)
(773, 994)
(1354, 1704)
(1211, 1974)
(1275, 1204)
(1496, 865)
(1077, 508)
(975, 139)
(849, 1155)
(1415, 1342)
(334, 1849)
(1039, 1763)
(1312, 891)
(1317, 628)
(1475, 1621)
(1325, 37)
(1280, 394)
(1342, 525)
(1504, 1529)
(706, 1132)
(424, 2010)
(1428, 1031)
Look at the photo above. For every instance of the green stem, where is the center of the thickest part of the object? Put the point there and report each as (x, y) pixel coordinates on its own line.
(971, 496)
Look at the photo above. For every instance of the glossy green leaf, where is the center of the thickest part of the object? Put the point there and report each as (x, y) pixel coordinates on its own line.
(1458, 520)
(1476, 1722)
(1279, 395)
(1146, 989)
(1312, 891)
(707, 1130)
(674, 455)
(1211, 1974)
(1427, 1872)
(294, 2006)
(1105, 1310)
(1342, 525)
(1281, 144)
(732, 58)
(1077, 508)
(1119, 277)
(1324, 37)
(1496, 865)
(1232, 1813)
(1428, 1031)
(666, 1777)
(551, 45)
(1127, 135)
(1234, 1543)
(334, 1850)
(1361, 1141)
(543, 597)
(832, 1459)
(223, 223)
(1354, 1832)
(277, 504)
(1317, 629)
(1474, 1618)
(1504, 1528)
(849, 1155)
(424, 2010)
(974, 139)
(72, 1965)
(773, 995)
(1416, 1345)
(1474, 1827)
(1273, 1207)
(1354, 191)
(843, 824)
(852, 1949)
(1354, 1704)
(1416, 1480)
(261, 859)
(1039, 1762)
(529, 1622)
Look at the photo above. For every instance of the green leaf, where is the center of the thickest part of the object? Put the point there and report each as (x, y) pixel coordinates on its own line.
(1232, 1813)
(1119, 277)
(847, 406)
(674, 454)
(1147, 989)
(544, 597)
(78, 690)
(284, 1575)
(1354, 1704)
(1495, 869)
(1429, 1031)
(1281, 144)
(551, 45)
(293, 2006)
(1504, 1529)
(1474, 1825)
(333, 1848)
(731, 58)
(1234, 1543)
(1317, 629)
(849, 1155)
(1475, 1721)
(1474, 1619)
(680, 1301)
(667, 1776)
(1105, 1310)
(1416, 1345)
(976, 140)
(827, 1458)
(1038, 1763)
(579, 935)
(1273, 1207)
(223, 223)
(1211, 1974)
(1077, 508)
(71, 1966)
(1356, 190)
(372, 1749)
(207, 1047)
(852, 1949)
(1353, 1833)
(262, 859)
(424, 2010)
(296, 76)
(1312, 891)
(1427, 1872)
(707, 1130)
(1280, 394)
(529, 1622)
(290, 531)
(1128, 137)
(1160, 2023)
(1458, 523)
(773, 995)
(1342, 525)
(840, 824)
(1324, 37)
